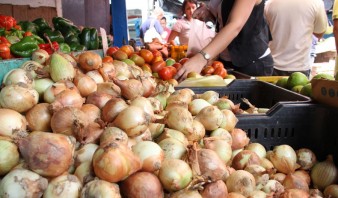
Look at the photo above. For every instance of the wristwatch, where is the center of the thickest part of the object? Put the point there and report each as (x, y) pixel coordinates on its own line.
(205, 55)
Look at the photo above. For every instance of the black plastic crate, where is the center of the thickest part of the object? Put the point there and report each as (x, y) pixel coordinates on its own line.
(259, 93)
(298, 125)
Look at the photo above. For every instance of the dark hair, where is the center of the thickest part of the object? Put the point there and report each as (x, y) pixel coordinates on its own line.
(163, 18)
(188, 1)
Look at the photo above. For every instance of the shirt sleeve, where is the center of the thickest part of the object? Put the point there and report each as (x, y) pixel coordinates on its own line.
(158, 27)
(335, 10)
(177, 26)
(321, 22)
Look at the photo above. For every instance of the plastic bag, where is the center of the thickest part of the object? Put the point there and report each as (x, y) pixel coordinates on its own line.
(151, 33)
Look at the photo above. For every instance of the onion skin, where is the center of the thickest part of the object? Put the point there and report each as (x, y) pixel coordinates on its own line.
(235, 195)
(89, 61)
(183, 95)
(244, 159)
(305, 158)
(63, 186)
(230, 120)
(93, 112)
(85, 84)
(84, 172)
(284, 159)
(112, 134)
(241, 182)
(295, 193)
(216, 189)
(142, 185)
(85, 153)
(221, 147)
(47, 154)
(39, 118)
(180, 119)
(292, 181)
(22, 183)
(130, 89)
(96, 76)
(324, 174)
(186, 194)
(98, 99)
(150, 154)
(331, 191)
(239, 139)
(173, 148)
(148, 85)
(100, 188)
(211, 117)
(109, 88)
(115, 162)
(112, 108)
(9, 156)
(67, 98)
(18, 75)
(11, 122)
(107, 71)
(91, 133)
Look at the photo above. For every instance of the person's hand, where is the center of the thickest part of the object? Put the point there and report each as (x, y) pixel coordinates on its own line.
(194, 64)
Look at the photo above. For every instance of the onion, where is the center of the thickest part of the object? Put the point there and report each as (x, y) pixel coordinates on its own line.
(109, 88)
(150, 154)
(35, 69)
(41, 85)
(304, 175)
(149, 85)
(130, 89)
(96, 76)
(257, 148)
(67, 98)
(216, 189)
(284, 159)
(18, 75)
(98, 99)
(11, 122)
(84, 172)
(112, 134)
(115, 162)
(242, 182)
(230, 120)
(22, 183)
(196, 105)
(122, 69)
(244, 159)
(175, 174)
(112, 108)
(63, 186)
(295, 193)
(183, 95)
(198, 132)
(315, 193)
(39, 118)
(93, 112)
(91, 133)
(100, 188)
(171, 133)
(186, 194)
(85, 153)
(305, 158)
(40, 56)
(260, 175)
(18, 97)
(144, 104)
(235, 152)
(221, 147)
(9, 156)
(209, 96)
(239, 139)
(235, 195)
(258, 194)
(155, 129)
(60, 68)
(47, 154)
(324, 173)
(162, 97)
(89, 60)
(156, 104)
(173, 149)
(279, 177)
(107, 71)
(69, 121)
(55, 89)
(211, 117)
(292, 181)
(85, 84)
(180, 119)
(273, 187)
(224, 103)
(71, 58)
(142, 185)
(222, 134)
(267, 164)
(331, 191)
(175, 104)
(132, 120)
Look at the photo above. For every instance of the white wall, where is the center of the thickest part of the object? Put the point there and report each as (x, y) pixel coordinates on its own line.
(145, 5)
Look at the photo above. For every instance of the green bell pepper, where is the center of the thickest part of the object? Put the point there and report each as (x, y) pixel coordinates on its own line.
(25, 47)
(53, 36)
(64, 47)
(89, 38)
(65, 25)
(38, 39)
(76, 47)
(15, 32)
(2, 31)
(28, 26)
(41, 24)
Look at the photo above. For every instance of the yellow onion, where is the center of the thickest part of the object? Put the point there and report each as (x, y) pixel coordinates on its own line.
(145, 105)
(331, 191)
(229, 120)
(173, 148)
(107, 71)
(112, 134)
(294, 193)
(115, 162)
(56, 88)
(11, 122)
(198, 132)
(284, 159)
(171, 133)
(224, 103)
(142, 184)
(267, 164)
(216, 189)
(273, 187)
(196, 105)
(33, 67)
(235, 195)
(293, 181)
(258, 148)
(89, 61)
(96, 76)
(211, 117)
(67, 98)
(175, 104)
(279, 177)
(41, 85)
(150, 154)
(85, 84)
(180, 119)
(315, 193)
(145, 136)
(93, 112)
(40, 56)
(109, 88)
(18, 75)
(100, 188)
(112, 108)
(324, 173)
(239, 139)
(39, 117)
(241, 182)
(156, 104)
(182, 95)
(258, 194)
(244, 159)
(222, 134)
(18, 97)
(130, 89)
(98, 99)
(186, 194)
(132, 120)
(84, 172)
(260, 175)
(22, 183)
(85, 153)
(63, 186)
(47, 154)
(175, 174)
(148, 84)
(305, 158)
(304, 175)
(155, 129)
(9, 156)
(209, 96)
(122, 69)
(221, 147)
(91, 133)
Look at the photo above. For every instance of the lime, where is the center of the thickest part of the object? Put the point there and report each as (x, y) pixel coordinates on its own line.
(306, 90)
(297, 88)
(282, 82)
(324, 76)
(297, 78)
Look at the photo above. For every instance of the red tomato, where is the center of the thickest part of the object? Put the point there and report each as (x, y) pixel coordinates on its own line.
(217, 64)
(111, 50)
(5, 52)
(157, 66)
(7, 22)
(107, 59)
(221, 72)
(147, 55)
(165, 73)
(178, 66)
(173, 70)
(208, 70)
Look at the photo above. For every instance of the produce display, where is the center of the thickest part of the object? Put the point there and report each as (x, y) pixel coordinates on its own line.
(87, 126)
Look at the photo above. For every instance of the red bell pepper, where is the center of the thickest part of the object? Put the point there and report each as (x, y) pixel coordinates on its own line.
(5, 52)
(50, 48)
(7, 22)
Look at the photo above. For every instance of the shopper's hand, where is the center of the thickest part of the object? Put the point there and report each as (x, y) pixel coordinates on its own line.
(194, 64)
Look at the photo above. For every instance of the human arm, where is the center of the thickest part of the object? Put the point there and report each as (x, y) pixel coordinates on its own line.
(238, 16)
(172, 36)
(321, 22)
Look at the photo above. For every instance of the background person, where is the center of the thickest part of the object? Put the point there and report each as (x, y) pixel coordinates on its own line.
(166, 30)
(152, 20)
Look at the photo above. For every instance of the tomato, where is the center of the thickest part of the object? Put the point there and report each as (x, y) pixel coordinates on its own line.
(221, 72)
(28, 33)
(208, 70)
(128, 49)
(217, 64)
(183, 60)
(147, 55)
(173, 70)
(156, 52)
(166, 73)
(111, 50)
(107, 59)
(157, 66)
(5, 52)
(178, 66)
(7, 22)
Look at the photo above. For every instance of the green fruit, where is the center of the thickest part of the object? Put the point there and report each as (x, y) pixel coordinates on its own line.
(230, 76)
(170, 61)
(129, 62)
(297, 78)
(282, 82)
(324, 76)
(297, 88)
(306, 90)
